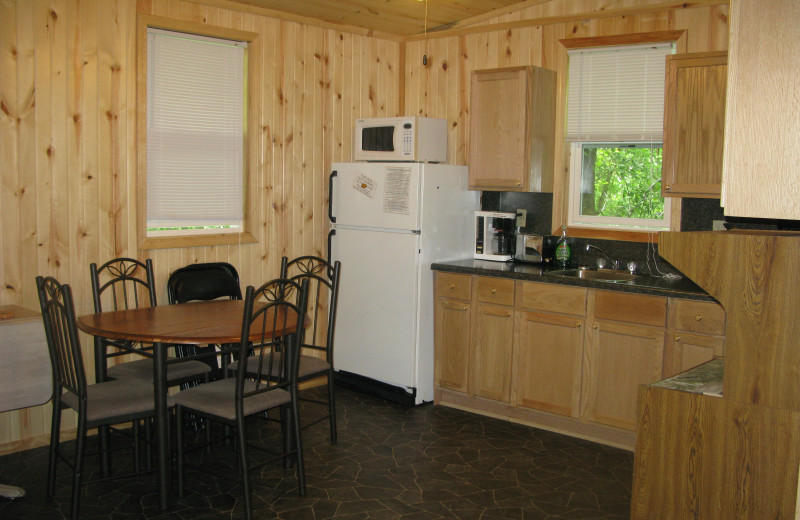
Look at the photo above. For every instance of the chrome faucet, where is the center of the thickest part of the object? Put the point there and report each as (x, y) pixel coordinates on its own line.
(600, 263)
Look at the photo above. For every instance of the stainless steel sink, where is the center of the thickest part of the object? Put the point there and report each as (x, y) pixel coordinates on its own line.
(597, 275)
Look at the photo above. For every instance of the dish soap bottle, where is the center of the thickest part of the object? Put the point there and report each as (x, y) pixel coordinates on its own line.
(562, 250)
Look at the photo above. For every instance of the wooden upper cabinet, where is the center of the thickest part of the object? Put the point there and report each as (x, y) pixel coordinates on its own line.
(512, 129)
(694, 124)
(762, 119)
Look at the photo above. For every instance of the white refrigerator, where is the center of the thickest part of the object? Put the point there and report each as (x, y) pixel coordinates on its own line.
(389, 222)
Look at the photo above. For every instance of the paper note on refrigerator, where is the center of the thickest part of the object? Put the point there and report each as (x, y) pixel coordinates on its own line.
(365, 185)
(396, 189)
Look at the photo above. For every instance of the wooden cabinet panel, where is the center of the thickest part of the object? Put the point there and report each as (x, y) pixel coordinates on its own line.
(694, 124)
(696, 316)
(494, 337)
(452, 344)
(495, 290)
(684, 351)
(457, 286)
(547, 362)
(552, 298)
(512, 129)
(762, 118)
(619, 357)
(632, 308)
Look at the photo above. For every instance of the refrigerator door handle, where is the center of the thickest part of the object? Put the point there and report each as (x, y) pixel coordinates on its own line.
(330, 243)
(334, 173)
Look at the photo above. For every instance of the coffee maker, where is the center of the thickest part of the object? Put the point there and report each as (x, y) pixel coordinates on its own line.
(494, 235)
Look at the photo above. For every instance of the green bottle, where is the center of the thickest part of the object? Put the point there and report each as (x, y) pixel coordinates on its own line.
(562, 250)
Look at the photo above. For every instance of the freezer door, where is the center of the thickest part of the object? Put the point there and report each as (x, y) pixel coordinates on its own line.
(375, 195)
(376, 325)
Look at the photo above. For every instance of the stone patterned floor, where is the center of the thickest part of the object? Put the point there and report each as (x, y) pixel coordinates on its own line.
(391, 462)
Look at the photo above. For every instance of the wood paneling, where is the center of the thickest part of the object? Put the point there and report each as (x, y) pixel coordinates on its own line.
(68, 125)
(68, 145)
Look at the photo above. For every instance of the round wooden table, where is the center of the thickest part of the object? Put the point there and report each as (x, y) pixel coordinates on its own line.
(210, 322)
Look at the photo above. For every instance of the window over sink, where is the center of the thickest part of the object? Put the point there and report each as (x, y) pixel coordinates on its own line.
(615, 113)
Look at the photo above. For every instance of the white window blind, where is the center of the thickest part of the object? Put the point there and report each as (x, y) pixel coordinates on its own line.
(617, 93)
(195, 130)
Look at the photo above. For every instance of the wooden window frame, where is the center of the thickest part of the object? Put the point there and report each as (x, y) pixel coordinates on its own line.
(255, 51)
(679, 38)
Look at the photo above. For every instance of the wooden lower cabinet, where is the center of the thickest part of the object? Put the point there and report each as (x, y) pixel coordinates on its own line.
(452, 343)
(547, 361)
(566, 358)
(619, 357)
(494, 340)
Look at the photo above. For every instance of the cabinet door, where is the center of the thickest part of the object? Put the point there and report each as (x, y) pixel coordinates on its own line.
(494, 336)
(762, 119)
(547, 361)
(452, 342)
(686, 351)
(512, 129)
(619, 358)
(694, 124)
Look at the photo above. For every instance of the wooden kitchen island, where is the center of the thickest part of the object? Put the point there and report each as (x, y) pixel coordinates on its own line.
(737, 455)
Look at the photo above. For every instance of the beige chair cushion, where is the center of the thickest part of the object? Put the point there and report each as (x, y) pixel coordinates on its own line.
(309, 365)
(115, 399)
(219, 399)
(142, 369)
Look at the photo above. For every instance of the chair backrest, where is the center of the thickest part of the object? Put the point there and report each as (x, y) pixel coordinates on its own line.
(60, 327)
(273, 309)
(323, 295)
(206, 281)
(123, 283)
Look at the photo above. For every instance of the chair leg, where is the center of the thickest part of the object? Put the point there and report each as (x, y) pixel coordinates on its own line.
(298, 447)
(241, 436)
(137, 451)
(77, 476)
(332, 408)
(55, 435)
(179, 441)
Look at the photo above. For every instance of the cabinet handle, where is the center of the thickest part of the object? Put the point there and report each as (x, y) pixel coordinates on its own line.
(508, 314)
(677, 338)
(452, 285)
(519, 184)
(668, 187)
(493, 291)
(594, 325)
(578, 324)
(698, 317)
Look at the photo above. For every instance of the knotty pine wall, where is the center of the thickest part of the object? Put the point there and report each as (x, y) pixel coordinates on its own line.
(68, 152)
(67, 127)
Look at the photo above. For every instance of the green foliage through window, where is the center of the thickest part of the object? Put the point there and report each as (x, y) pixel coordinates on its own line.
(621, 181)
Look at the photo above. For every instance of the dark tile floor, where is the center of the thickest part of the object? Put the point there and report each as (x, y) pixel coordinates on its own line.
(391, 462)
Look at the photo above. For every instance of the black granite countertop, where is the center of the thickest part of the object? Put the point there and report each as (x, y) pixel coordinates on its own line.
(643, 284)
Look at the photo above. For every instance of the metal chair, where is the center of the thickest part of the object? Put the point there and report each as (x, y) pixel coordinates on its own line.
(323, 279)
(100, 404)
(204, 281)
(126, 283)
(231, 400)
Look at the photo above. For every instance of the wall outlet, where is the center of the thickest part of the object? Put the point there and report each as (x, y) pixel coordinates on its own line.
(522, 216)
(717, 225)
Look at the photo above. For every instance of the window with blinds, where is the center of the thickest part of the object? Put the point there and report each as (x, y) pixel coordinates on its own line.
(615, 111)
(196, 102)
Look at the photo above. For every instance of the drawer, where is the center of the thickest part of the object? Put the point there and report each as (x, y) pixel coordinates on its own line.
(695, 316)
(632, 308)
(495, 290)
(551, 297)
(450, 285)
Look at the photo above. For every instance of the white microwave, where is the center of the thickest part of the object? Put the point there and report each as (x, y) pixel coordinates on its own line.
(409, 139)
